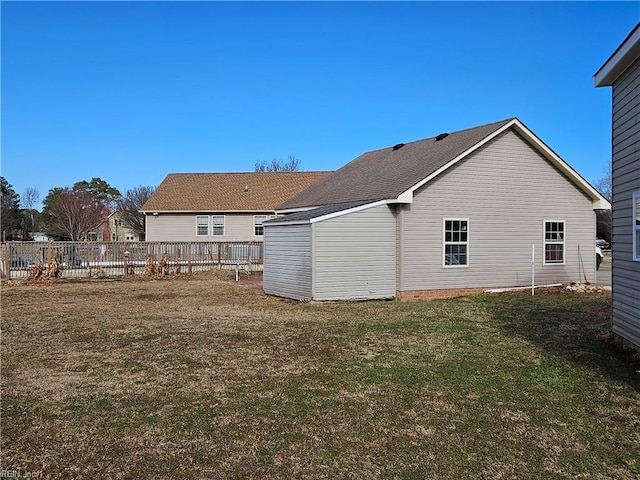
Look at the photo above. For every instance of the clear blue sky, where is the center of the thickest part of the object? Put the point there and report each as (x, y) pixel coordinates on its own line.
(131, 91)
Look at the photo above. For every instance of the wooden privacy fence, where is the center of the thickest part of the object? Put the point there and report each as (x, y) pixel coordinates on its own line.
(88, 259)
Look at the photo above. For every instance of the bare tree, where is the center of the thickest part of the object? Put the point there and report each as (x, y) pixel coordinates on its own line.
(292, 164)
(130, 205)
(605, 186)
(29, 200)
(72, 213)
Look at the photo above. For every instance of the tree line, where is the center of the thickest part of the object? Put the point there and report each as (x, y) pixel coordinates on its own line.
(69, 213)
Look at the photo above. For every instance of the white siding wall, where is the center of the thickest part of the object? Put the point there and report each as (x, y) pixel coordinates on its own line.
(506, 190)
(287, 261)
(626, 180)
(354, 256)
(182, 228)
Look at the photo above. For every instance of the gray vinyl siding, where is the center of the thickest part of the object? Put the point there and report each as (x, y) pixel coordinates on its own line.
(626, 180)
(354, 256)
(506, 190)
(181, 227)
(287, 261)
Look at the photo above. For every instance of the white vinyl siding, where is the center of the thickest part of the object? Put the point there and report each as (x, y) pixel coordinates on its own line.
(287, 261)
(506, 190)
(456, 242)
(554, 231)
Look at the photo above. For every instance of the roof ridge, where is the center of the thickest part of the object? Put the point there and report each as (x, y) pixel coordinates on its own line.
(499, 122)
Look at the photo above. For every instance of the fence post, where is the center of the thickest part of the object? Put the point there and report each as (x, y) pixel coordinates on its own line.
(87, 257)
(189, 258)
(6, 262)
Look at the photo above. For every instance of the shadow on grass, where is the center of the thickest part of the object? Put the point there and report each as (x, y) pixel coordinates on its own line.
(573, 327)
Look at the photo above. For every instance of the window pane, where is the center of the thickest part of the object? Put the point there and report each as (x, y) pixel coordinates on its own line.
(455, 255)
(637, 210)
(218, 225)
(554, 253)
(203, 225)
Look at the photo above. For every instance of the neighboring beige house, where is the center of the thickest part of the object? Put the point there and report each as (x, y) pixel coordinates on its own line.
(114, 229)
(622, 72)
(199, 207)
(447, 215)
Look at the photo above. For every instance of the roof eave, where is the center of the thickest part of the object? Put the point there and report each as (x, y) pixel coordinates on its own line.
(620, 60)
(152, 211)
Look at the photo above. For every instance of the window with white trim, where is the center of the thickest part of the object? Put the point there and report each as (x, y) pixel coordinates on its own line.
(636, 226)
(202, 225)
(217, 225)
(258, 228)
(554, 242)
(456, 242)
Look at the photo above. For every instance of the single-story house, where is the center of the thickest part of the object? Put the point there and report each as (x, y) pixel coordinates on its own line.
(622, 72)
(447, 215)
(198, 207)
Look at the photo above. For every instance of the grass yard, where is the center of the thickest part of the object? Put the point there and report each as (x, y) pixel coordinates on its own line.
(200, 378)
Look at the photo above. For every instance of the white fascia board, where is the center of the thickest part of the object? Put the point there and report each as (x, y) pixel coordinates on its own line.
(620, 60)
(205, 212)
(349, 210)
(295, 210)
(282, 224)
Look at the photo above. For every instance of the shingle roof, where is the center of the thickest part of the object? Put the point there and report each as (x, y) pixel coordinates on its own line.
(387, 173)
(215, 192)
(316, 212)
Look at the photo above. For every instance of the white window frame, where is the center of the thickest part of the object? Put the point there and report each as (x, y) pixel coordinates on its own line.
(256, 225)
(215, 225)
(562, 241)
(199, 224)
(452, 243)
(635, 226)
(260, 225)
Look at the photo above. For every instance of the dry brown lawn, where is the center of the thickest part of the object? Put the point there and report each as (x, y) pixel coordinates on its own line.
(197, 377)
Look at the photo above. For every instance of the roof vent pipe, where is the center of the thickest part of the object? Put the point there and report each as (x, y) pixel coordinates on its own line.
(441, 136)
(398, 146)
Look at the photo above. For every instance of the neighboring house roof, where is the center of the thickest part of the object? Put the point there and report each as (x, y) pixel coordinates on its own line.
(394, 173)
(620, 60)
(228, 192)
